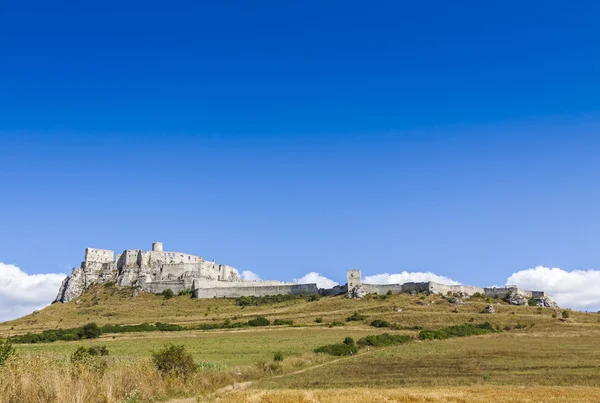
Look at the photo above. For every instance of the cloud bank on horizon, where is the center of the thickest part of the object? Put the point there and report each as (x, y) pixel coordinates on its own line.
(577, 289)
(22, 293)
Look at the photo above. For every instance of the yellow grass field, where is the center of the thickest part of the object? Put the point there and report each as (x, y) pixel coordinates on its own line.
(479, 394)
(535, 357)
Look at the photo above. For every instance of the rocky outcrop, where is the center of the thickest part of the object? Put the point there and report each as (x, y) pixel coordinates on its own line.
(546, 302)
(72, 286)
(517, 299)
(489, 309)
(152, 271)
(356, 293)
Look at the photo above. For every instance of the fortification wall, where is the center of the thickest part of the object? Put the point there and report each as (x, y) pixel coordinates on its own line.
(435, 288)
(160, 285)
(204, 283)
(99, 255)
(430, 286)
(337, 290)
(502, 292)
(382, 288)
(178, 269)
(235, 292)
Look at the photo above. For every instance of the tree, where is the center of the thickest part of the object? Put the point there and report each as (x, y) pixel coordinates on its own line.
(168, 293)
(90, 331)
(174, 360)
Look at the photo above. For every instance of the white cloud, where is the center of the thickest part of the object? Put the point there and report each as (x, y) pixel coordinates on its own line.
(318, 278)
(22, 293)
(407, 277)
(250, 276)
(577, 289)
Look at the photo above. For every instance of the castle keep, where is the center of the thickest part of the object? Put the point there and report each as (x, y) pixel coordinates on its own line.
(157, 270)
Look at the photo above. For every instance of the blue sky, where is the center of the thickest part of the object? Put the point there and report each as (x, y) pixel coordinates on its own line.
(458, 138)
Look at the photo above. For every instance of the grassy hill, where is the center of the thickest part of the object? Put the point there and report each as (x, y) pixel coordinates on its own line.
(532, 348)
(111, 305)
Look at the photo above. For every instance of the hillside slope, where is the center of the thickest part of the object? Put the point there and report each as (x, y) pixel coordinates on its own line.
(111, 305)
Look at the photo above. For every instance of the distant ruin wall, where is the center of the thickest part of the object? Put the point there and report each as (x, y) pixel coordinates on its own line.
(383, 288)
(437, 288)
(259, 291)
(503, 292)
(444, 288)
(337, 290)
(157, 287)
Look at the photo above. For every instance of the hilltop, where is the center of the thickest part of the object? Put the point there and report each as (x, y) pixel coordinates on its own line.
(109, 304)
(520, 348)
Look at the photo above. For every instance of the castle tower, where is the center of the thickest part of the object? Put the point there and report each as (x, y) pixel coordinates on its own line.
(353, 279)
(157, 246)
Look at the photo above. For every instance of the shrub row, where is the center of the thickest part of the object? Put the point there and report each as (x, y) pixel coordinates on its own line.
(356, 317)
(91, 330)
(457, 331)
(383, 340)
(380, 323)
(338, 349)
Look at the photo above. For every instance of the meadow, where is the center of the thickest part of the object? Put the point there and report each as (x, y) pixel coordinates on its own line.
(533, 354)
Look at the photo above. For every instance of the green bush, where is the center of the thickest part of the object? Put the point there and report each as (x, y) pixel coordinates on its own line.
(339, 349)
(385, 339)
(380, 323)
(532, 301)
(336, 323)
(89, 359)
(389, 292)
(168, 293)
(6, 351)
(278, 356)
(457, 331)
(319, 320)
(174, 360)
(281, 322)
(89, 331)
(313, 297)
(259, 321)
(185, 292)
(565, 314)
(356, 317)
(349, 340)
(82, 353)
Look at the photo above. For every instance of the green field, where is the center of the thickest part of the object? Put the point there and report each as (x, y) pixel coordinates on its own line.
(534, 351)
(231, 347)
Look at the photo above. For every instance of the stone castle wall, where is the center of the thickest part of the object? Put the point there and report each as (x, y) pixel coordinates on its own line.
(157, 270)
(258, 290)
(99, 255)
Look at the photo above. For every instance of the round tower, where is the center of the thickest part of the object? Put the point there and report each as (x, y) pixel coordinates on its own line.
(157, 247)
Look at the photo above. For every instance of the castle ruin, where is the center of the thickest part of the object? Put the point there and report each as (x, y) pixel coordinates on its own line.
(157, 270)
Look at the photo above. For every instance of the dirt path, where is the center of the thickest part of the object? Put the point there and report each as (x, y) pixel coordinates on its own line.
(245, 385)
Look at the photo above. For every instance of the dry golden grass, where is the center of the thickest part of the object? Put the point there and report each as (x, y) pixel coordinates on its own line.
(117, 306)
(510, 358)
(544, 360)
(35, 379)
(415, 395)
